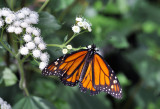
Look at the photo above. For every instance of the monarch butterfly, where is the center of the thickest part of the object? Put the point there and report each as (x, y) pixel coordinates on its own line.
(87, 68)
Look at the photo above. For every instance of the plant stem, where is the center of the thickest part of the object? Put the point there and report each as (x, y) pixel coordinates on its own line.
(55, 45)
(20, 63)
(73, 37)
(43, 6)
(22, 83)
(2, 33)
(4, 45)
(23, 60)
(7, 48)
(63, 45)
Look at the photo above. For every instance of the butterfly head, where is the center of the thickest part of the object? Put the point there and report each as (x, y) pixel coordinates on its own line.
(92, 48)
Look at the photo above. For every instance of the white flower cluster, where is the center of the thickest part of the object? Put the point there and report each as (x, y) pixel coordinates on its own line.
(21, 23)
(65, 50)
(4, 104)
(81, 24)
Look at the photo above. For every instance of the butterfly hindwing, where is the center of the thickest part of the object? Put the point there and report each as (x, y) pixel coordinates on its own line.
(87, 83)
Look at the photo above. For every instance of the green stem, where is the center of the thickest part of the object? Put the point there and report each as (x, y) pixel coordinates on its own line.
(23, 60)
(43, 6)
(63, 45)
(22, 83)
(75, 49)
(7, 48)
(2, 33)
(55, 45)
(73, 37)
(36, 61)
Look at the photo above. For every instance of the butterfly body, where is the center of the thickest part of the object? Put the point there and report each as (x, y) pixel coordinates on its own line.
(87, 68)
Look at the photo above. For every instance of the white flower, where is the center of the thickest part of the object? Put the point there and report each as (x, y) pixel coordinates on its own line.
(25, 11)
(11, 29)
(12, 15)
(1, 23)
(9, 106)
(5, 106)
(27, 20)
(85, 25)
(80, 24)
(79, 19)
(64, 51)
(76, 29)
(42, 65)
(18, 30)
(42, 46)
(17, 23)
(30, 45)
(5, 11)
(24, 25)
(89, 29)
(24, 51)
(44, 57)
(33, 20)
(8, 20)
(37, 40)
(36, 32)
(29, 29)
(0, 13)
(69, 46)
(36, 53)
(20, 15)
(1, 101)
(27, 38)
(34, 15)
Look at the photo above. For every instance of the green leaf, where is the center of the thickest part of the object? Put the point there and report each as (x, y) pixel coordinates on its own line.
(149, 27)
(59, 4)
(48, 23)
(123, 79)
(33, 102)
(9, 77)
(78, 100)
(65, 38)
(11, 3)
(1, 80)
(118, 41)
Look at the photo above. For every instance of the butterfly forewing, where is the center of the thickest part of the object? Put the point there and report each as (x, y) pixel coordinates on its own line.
(67, 67)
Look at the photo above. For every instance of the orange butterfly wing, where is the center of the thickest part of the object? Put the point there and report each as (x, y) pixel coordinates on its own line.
(67, 67)
(100, 77)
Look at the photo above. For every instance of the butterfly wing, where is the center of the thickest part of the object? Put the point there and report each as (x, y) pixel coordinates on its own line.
(67, 67)
(100, 77)
(86, 83)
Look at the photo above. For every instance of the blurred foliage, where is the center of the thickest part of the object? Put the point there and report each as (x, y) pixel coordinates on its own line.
(127, 32)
